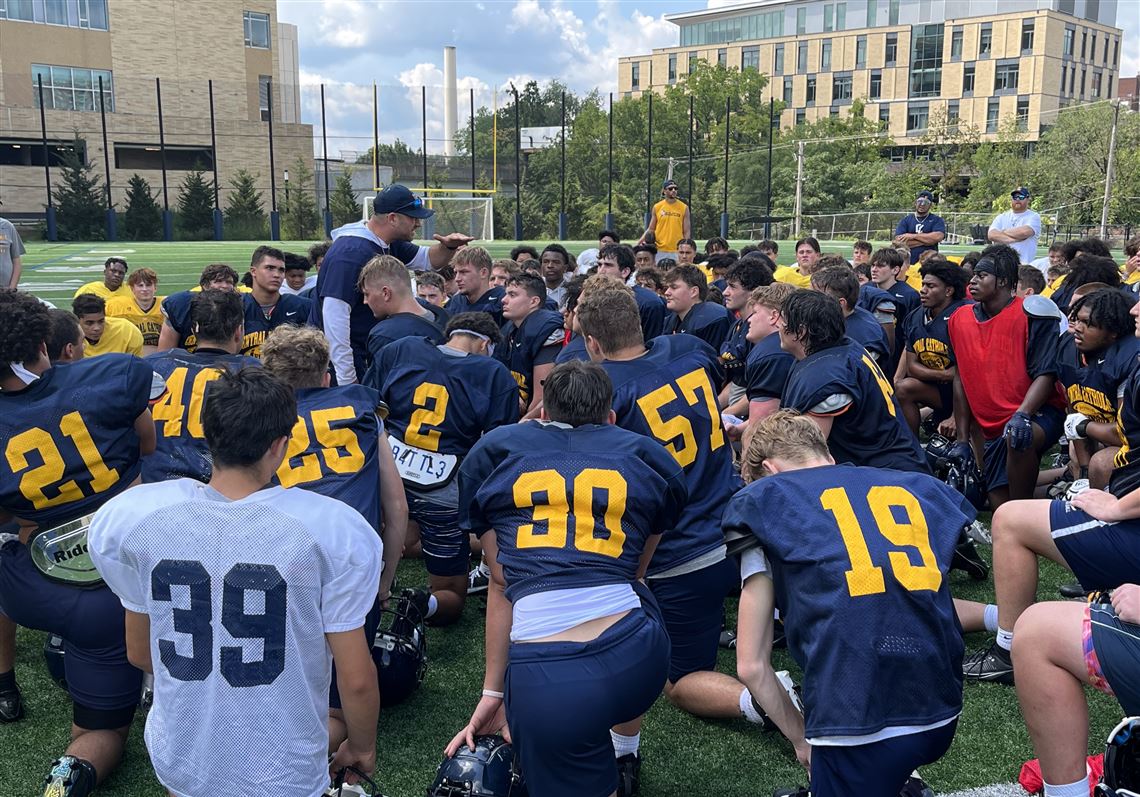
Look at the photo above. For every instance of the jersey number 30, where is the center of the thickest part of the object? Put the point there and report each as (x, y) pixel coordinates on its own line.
(554, 512)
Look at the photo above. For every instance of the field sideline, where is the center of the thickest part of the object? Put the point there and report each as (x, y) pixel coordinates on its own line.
(684, 757)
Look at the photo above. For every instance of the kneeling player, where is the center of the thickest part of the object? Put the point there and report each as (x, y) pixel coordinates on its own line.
(867, 565)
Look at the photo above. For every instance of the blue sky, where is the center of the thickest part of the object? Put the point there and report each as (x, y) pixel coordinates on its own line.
(348, 44)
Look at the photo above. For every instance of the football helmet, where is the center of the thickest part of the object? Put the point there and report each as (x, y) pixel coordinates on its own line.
(968, 480)
(53, 657)
(1122, 761)
(400, 651)
(490, 770)
(938, 454)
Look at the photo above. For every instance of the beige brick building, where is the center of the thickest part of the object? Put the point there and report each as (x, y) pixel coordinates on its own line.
(70, 45)
(980, 62)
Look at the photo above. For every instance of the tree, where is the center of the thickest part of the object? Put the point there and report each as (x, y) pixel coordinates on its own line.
(343, 205)
(299, 220)
(79, 198)
(196, 207)
(143, 218)
(245, 210)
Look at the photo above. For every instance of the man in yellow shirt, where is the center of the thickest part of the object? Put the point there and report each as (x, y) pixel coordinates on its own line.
(114, 270)
(807, 255)
(143, 308)
(103, 335)
(669, 223)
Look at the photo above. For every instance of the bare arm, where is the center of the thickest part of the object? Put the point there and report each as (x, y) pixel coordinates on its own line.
(440, 253)
(962, 415)
(360, 699)
(138, 641)
(926, 238)
(168, 337)
(17, 268)
(687, 224)
(999, 236)
(394, 501)
(144, 428)
(540, 374)
(651, 228)
(1020, 233)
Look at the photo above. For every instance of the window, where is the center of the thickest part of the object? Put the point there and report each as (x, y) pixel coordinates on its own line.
(917, 117)
(1116, 52)
(1067, 47)
(956, 44)
(1092, 48)
(985, 40)
(893, 13)
(841, 88)
(801, 57)
(787, 91)
(722, 57)
(968, 80)
(71, 88)
(1084, 42)
(801, 21)
(1005, 77)
(1067, 7)
(992, 116)
(825, 55)
(828, 18)
(692, 62)
(1064, 71)
(1096, 84)
(1072, 78)
(750, 58)
(926, 60)
(876, 90)
(1027, 35)
(256, 30)
(1084, 74)
(634, 76)
(872, 12)
(179, 157)
(89, 14)
(885, 113)
(953, 114)
(672, 67)
(264, 82)
(1023, 113)
(833, 112)
(1109, 92)
(778, 62)
(776, 122)
(811, 90)
(801, 117)
(892, 52)
(840, 16)
(860, 52)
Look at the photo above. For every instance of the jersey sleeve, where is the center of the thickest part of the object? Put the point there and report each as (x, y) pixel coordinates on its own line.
(503, 401)
(765, 377)
(411, 255)
(937, 224)
(340, 270)
(476, 467)
(901, 228)
(105, 542)
(351, 592)
(1043, 347)
(128, 387)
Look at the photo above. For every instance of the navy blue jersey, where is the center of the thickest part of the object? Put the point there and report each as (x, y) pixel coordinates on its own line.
(536, 342)
(859, 559)
(176, 309)
(334, 447)
(181, 449)
(571, 507)
(907, 301)
(575, 349)
(927, 224)
(734, 352)
(1095, 388)
(442, 400)
(69, 438)
(875, 300)
(407, 325)
(929, 337)
(705, 320)
(1126, 466)
(864, 329)
(652, 311)
(766, 370)
(490, 302)
(669, 394)
(259, 323)
(868, 427)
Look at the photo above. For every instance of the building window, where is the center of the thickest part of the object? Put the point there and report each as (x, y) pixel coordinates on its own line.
(1096, 84)
(1072, 78)
(876, 90)
(952, 112)
(634, 76)
(800, 116)
(885, 113)
(841, 88)
(825, 55)
(893, 14)
(872, 13)
(892, 51)
(1115, 53)
(692, 62)
(256, 30)
(1027, 35)
(801, 57)
(926, 60)
(1023, 113)
(956, 44)
(992, 109)
(801, 21)
(828, 18)
(88, 14)
(71, 88)
(750, 58)
(787, 91)
(1005, 77)
(264, 83)
(968, 80)
(722, 57)
(841, 16)
(860, 52)
(776, 122)
(917, 117)
(1064, 74)
(1092, 48)
(179, 157)
(778, 60)
(985, 41)
(1084, 42)
(833, 112)
(672, 67)
(1084, 74)
(1067, 7)
(811, 90)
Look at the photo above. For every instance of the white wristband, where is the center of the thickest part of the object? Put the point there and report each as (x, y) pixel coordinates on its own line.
(492, 693)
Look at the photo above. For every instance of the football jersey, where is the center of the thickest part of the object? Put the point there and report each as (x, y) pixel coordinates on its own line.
(536, 342)
(119, 336)
(864, 329)
(334, 447)
(868, 427)
(859, 559)
(148, 322)
(404, 325)
(907, 300)
(240, 595)
(766, 370)
(571, 507)
(490, 302)
(1095, 389)
(669, 394)
(705, 320)
(929, 337)
(69, 438)
(652, 311)
(874, 299)
(1126, 466)
(99, 288)
(176, 310)
(575, 349)
(259, 323)
(734, 352)
(181, 450)
(792, 276)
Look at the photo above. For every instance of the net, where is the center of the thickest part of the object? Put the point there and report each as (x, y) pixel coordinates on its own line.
(470, 215)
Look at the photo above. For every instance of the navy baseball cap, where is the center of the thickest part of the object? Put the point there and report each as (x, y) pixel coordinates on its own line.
(929, 197)
(669, 184)
(397, 198)
(1021, 192)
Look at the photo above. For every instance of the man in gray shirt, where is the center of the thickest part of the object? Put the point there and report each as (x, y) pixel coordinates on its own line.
(11, 250)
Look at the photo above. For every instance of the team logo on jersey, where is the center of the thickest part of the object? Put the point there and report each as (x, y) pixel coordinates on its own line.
(1091, 402)
(932, 353)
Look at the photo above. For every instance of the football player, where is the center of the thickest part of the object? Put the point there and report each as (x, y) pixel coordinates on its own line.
(473, 279)
(768, 365)
(569, 510)
(878, 545)
(216, 321)
(104, 334)
(686, 290)
(744, 277)
(617, 260)
(575, 347)
(532, 338)
(177, 328)
(886, 265)
(142, 308)
(237, 614)
(387, 290)
(266, 308)
(441, 399)
(65, 343)
(860, 325)
(807, 255)
(72, 439)
(429, 287)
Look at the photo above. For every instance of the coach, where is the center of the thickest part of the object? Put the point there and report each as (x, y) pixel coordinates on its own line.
(339, 307)
(922, 230)
(1018, 227)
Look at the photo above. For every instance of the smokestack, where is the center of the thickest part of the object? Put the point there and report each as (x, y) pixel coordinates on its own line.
(450, 101)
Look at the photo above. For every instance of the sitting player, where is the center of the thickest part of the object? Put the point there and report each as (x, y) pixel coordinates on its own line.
(571, 632)
(387, 290)
(861, 326)
(532, 338)
(807, 254)
(686, 290)
(616, 260)
(473, 281)
(879, 544)
(441, 399)
(142, 308)
(177, 327)
(886, 267)
(745, 276)
(575, 347)
(429, 288)
(266, 308)
(768, 365)
(104, 334)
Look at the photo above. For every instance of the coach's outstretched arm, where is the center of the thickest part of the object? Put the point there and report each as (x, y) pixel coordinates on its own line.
(440, 253)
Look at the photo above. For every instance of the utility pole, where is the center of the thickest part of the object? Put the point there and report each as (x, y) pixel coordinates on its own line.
(799, 185)
(1108, 174)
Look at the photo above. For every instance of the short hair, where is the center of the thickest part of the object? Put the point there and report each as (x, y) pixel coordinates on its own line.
(145, 276)
(298, 356)
(747, 249)
(244, 413)
(715, 296)
(262, 252)
(810, 241)
(431, 278)
(24, 324)
(385, 270)
(1005, 262)
(609, 234)
(831, 260)
(295, 262)
(1085, 246)
(1109, 309)
(722, 262)
(64, 330)
(619, 252)
(862, 246)
(650, 248)
(578, 393)
(716, 240)
(476, 256)
(688, 241)
(247, 279)
(785, 435)
(88, 304)
(318, 250)
(518, 250)
(532, 284)
(215, 272)
(560, 249)
(478, 322)
(839, 281)
(1030, 277)
(115, 259)
(751, 272)
(573, 288)
(815, 318)
(608, 313)
(888, 256)
(768, 245)
(510, 266)
(654, 275)
(862, 270)
(447, 272)
(948, 274)
(691, 276)
(1131, 249)
(216, 315)
(773, 296)
(531, 265)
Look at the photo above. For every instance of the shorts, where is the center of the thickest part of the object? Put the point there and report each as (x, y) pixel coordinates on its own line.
(1112, 655)
(1052, 422)
(878, 769)
(446, 548)
(692, 607)
(1101, 555)
(92, 623)
(371, 623)
(562, 698)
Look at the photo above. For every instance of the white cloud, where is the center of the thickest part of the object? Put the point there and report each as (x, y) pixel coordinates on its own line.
(339, 23)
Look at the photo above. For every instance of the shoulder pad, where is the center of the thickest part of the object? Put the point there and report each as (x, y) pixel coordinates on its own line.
(737, 542)
(1041, 307)
(832, 404)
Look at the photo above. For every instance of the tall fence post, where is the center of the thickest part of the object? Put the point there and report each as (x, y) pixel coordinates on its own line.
(649, 162)
(689, 196)
(325, 159)
(429, 223)
(52, 232)
(111, 220)
(771, 138)
(219, 231)
(518, 169)
(274, 216)
(167, 216)
(562, 218)
(724, 201)
(609, 225)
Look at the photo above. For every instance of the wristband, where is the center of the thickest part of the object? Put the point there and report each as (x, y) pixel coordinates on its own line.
(1082, 426)
(492, 693)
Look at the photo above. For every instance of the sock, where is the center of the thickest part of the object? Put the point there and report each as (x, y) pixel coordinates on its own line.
(1005, 640)
(7, 681)
(1084, 472)
(433, 605)
(1078, 789)
(990, 618)
(483, 568)
(749, 709)
(624, 745)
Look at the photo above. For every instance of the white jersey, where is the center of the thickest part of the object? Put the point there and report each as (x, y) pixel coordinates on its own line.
(1027, 249)
(240, 595)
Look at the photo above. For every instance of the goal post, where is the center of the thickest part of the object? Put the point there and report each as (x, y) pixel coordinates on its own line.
(470, 213)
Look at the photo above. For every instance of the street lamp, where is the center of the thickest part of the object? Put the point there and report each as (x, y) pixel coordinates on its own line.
(286, 189)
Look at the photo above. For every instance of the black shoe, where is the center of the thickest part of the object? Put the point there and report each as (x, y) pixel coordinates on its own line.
(916, 787)
(795, 791)
(629, 774)
(1073, 590)
(11, 705)
(992, 664)
(728, 639)
(968, 560)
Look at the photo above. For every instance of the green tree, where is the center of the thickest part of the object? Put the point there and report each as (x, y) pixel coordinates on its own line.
(196, 207)
(79, 199)
(343, 204)
(244, 213)
(142, 220)
(299, 219)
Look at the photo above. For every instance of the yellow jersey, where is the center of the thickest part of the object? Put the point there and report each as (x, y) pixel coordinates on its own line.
(670, 227)
(792, 276)
(119, 336)
(1052, 286)
(148, 322)
(240, 289)
(1131, 279)
(99, 289)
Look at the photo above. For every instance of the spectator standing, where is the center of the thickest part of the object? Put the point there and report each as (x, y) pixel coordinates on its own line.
(11, 255)
(922, 230)
(1018, 227)
(670, 222)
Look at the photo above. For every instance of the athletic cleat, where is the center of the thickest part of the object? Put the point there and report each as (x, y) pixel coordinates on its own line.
(980, 533)
(967, 559)
(69, 777)
(11, 705)
(629, 774)
(992, 665)
(477, 580)
(1076, 488)
(728, 639)
(916, 787)
(785, 679)
(795, 791)
(1073, 591)
(418, 598)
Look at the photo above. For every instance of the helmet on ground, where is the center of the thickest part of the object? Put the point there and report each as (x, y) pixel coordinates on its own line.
(938, 456)
(968, 480)
(1122, 761)
(490, 770)
(400, 652)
